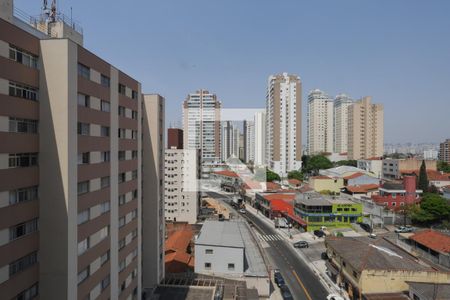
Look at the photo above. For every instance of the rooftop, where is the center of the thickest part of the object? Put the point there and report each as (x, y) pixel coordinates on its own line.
(226, 173)
(439, 291)
(363, 188)
(355, 175)
(341, 171)
(316, 199)
(364, 253)
(433, 239)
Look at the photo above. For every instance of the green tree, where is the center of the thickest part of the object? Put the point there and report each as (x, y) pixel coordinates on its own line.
(433, 208)
(351, 163)
(423, 178)
(272, 176)
(316, 163)
(443, 166)
(295, 175)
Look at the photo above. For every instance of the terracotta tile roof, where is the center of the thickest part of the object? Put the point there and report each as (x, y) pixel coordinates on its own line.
(433, 239)
(179, 240)
(431, 174)
(282, 206)
(226, 173)
(355, 175)
(250, 184)
(363, 188)
(294, 182)
(272, 186)
(280, 196)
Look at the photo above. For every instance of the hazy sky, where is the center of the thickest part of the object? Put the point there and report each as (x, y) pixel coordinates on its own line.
(398, 52)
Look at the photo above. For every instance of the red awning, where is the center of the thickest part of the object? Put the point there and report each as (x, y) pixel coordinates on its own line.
(297, 219)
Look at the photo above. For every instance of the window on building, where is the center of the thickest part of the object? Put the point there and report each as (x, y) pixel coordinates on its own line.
(22, 125)
(122, 200)
(134, 115)
(23, 160)
(106, 156)
(209, 251)
(122, 89)
(83, 158)
(23, 57)
(23, 229)
(83, 187)
(105, 106)
(22, 263)
(83, 128)
(122, 177)
(83, 216)
(23, 91)
(134, 154)
(230, 267)
(122, 266)
(104, 258)
(122, 155)
(121, 111)
(121, 133)
(105, 207)
(23, 195)
(83, 100)
(135, 194)
(28, 294)
(134, 174)
(207, 266)
(84, 71)
(105, 81)
(134, 214)
(105, 283)
(83, 275)
(134, 95)
(134, 134)
(122, 244)
(104, 182)
(83, 246)
(104, 131)
(121, 221)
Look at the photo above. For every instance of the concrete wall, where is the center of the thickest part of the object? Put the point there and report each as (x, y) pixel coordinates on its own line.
(331, 184)
(219, 259)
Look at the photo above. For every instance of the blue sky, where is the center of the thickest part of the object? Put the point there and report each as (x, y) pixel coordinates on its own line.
(398, 52)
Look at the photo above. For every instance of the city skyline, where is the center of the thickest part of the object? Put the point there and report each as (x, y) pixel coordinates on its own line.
(390, 74)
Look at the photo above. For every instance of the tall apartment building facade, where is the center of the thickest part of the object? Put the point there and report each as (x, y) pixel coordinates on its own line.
(175, 138)
(260, 138)
(201, 124)
(70, 169)
(230, 142)
(182, 174)
(320, 123)
(365, 129)
(249, 141)
(283, 123)
(444, 151)
(341, 105)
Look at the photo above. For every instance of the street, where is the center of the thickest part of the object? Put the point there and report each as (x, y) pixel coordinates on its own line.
(300, 279)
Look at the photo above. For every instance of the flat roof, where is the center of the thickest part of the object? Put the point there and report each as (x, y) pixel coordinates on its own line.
(374, 254)
(234, 234)
(431, 290)
(317, 199)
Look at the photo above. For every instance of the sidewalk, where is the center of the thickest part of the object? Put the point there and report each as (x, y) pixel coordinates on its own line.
(317, 267)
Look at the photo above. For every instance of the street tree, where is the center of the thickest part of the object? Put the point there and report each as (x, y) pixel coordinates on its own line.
(423, 178)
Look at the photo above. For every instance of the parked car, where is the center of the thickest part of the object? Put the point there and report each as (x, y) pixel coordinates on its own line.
(324, 255)
(366, 227)
(286, 293)
(301, 244)
(278, 278)
(404, 229)
(373, 236)
(319, 233)
(334, 297)
(242, 211)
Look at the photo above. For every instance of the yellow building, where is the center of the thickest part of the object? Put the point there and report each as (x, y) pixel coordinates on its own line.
(365, 266)
(325, 183)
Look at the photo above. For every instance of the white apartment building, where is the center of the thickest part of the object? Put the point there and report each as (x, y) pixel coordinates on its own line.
(260, 138)
(320, 123)
(372, 165)
(201, 124)
(366, 129)
(341, 105)
(181, 185)
(283, 123)
(249, 141)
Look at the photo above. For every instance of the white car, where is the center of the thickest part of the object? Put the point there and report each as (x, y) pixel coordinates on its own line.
(334, 297)
(242, 211)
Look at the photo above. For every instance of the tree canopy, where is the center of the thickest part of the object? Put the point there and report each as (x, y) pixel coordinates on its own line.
(433, 208)
(423, 177)
(350, 162)
(316, 163)
(443, 166)
(295, 175)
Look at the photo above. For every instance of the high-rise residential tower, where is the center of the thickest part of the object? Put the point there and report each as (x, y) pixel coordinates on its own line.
(444, 151)
(320, 125)
(249, 141)
(175, 138)
(283, 123)
(71, 169)
(365, 129)
(229, 141)
(201, 124)
(341, 105)
(260, 138)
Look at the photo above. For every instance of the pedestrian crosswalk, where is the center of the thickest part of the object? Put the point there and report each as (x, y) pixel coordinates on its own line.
(270, 237)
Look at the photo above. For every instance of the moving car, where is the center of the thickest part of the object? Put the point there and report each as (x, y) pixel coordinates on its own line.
(366, 227)
(319, 233)
(286, 293)
(279, 280)
(373, 236)
(334, 297)
(404, 229)
(301, 244)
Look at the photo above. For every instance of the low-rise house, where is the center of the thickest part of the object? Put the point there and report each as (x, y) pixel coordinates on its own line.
(394, 168)
(364, 266)
(229, 181)
(395, 195)
(178, 251)
(228, 249)
(360, 178)
(430, 244)
(294, 183)
(273, 205)
(364, 190)
(429, 291)
(437, 178)
(317, 210)
(324, 183)
(372, 165)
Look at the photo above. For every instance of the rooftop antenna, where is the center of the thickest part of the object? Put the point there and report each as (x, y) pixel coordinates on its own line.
(50, 12)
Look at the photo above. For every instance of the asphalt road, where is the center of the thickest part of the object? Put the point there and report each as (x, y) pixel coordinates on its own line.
(298, 276)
